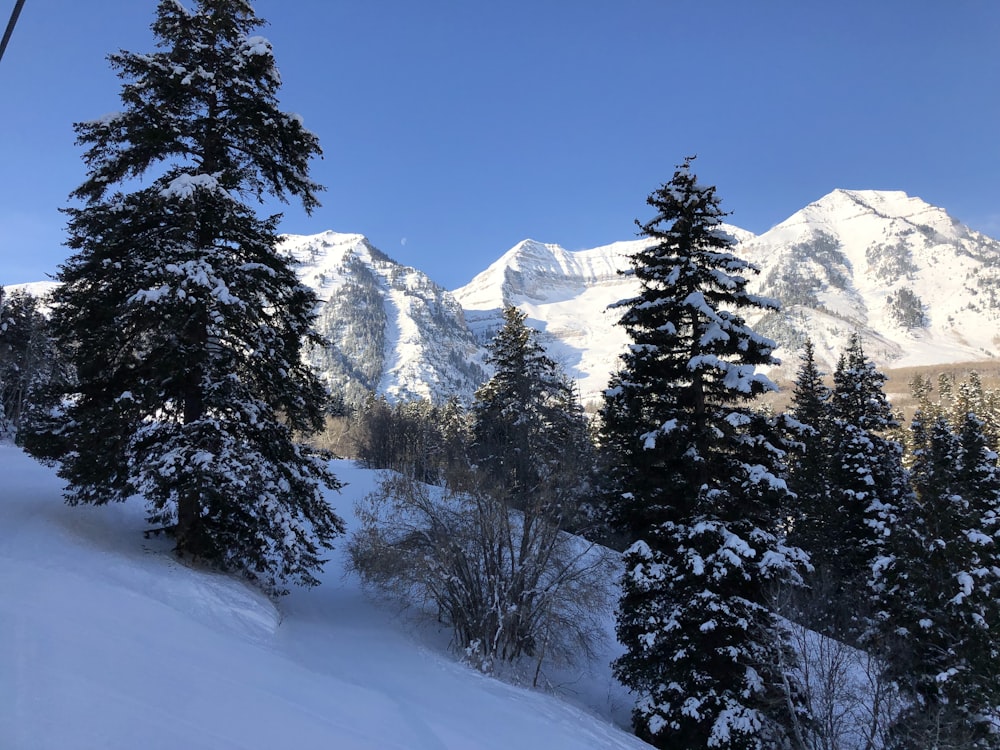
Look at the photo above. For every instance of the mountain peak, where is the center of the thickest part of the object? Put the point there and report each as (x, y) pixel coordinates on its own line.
(841, 204)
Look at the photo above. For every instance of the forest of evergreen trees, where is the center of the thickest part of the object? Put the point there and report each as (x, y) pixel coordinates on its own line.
(171, 367)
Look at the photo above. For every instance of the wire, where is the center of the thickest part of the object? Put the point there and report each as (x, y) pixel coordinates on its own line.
(10, 26)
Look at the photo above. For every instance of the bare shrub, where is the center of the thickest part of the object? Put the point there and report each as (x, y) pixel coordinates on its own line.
(852, 704)
(509, 583)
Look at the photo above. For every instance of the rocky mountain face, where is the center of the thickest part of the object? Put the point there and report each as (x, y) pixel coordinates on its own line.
(920, 287)
(389, 328)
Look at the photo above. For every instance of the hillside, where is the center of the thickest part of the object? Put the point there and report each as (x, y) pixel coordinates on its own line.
(111, 644)
(389, 328)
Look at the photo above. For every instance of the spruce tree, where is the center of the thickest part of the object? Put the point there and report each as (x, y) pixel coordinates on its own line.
(696, 480)
(530, 434)
(185, 324)
(811, 514)
(867, 485)
(938, 587)
(809, 467)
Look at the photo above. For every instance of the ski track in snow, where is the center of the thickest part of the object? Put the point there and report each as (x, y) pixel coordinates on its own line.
(109, 642)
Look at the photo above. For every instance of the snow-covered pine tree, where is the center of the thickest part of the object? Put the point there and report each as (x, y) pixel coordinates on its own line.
(697, 477)
(809, 466)
(530, 434)
(867, 485)
(974, 398)
(185, 324)
(938, 586)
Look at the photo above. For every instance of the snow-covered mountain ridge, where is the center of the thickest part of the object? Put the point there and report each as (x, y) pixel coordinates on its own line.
(390, 329)
(920, 287)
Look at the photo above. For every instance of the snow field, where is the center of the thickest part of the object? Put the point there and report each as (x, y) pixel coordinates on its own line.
(109, 642)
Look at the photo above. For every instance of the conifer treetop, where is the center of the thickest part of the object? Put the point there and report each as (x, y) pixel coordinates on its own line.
(202, 111)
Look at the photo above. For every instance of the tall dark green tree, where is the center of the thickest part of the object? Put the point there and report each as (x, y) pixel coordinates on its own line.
(809, 467)
(185, 323)
(530, 435)
(811, 514)
(696, 479)
(867, 486)
(938, 588)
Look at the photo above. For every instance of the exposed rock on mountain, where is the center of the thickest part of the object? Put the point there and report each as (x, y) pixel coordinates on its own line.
(390, 328)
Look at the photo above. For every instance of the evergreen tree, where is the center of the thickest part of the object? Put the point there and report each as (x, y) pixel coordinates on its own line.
(530, 435)
(811, 514)
(185, 324)
(31, 366)
(696, 482)
(809, 467)
(938, 588)
(867, 485)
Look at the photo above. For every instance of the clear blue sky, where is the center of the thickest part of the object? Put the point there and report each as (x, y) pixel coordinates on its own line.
(452, 130)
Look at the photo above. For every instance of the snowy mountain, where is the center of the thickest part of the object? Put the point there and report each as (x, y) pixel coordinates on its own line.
(565, 296)
(920, 287)
(111, 643)
(390, 328)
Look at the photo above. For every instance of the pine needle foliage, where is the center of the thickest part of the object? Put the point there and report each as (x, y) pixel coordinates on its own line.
(696, 481)
(184, 324)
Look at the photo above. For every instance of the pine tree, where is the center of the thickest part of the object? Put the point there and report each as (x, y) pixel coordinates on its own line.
(811, 515)
(867, 485)
(696, 482)
(31, 366)
(529, 430)
(938, 588)
(809, 468)
(185, 324)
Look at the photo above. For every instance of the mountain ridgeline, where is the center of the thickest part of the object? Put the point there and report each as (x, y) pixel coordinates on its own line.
(918, 286)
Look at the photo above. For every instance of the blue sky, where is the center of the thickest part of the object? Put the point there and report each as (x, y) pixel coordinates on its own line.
(452, 130)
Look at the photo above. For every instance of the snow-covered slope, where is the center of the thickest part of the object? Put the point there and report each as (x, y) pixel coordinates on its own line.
(391, 329)
(35, 288)
(108, 643)
(565, 295)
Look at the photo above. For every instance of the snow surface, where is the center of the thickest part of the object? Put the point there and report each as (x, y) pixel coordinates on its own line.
(109, 642)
